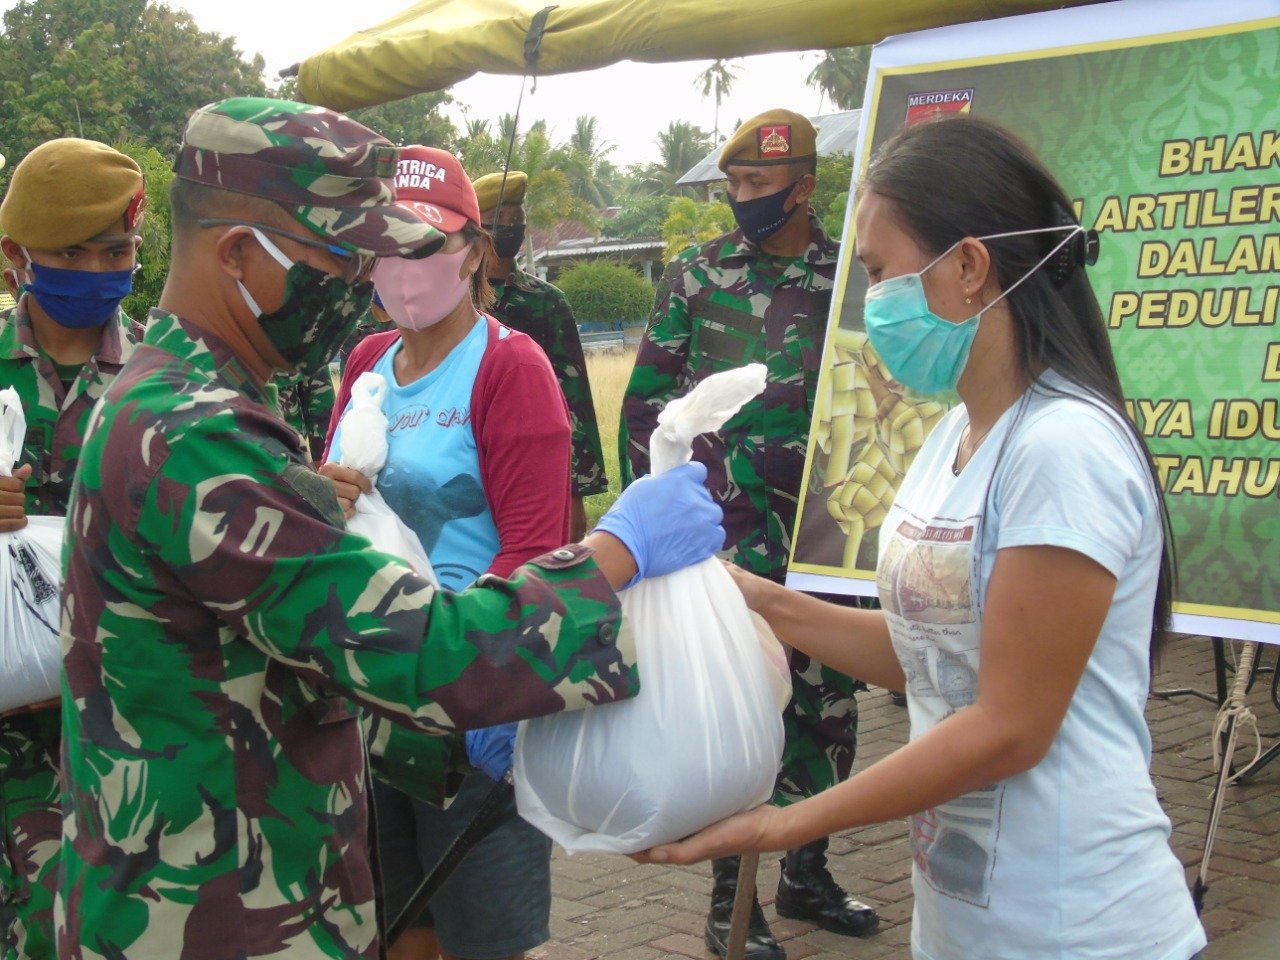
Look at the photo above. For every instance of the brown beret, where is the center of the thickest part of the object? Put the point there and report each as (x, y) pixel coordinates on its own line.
(67, 191)
(773, 137)
(488, 187)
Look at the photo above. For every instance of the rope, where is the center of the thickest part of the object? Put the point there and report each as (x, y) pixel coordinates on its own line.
(1235, 707)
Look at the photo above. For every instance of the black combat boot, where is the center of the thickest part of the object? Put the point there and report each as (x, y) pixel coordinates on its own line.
(760, 942)
(807, 891)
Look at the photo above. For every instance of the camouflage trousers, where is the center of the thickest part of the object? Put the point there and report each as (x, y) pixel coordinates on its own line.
(821, 727)
(31, 815)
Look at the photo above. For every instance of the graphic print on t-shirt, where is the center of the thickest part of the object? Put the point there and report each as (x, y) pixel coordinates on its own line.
(432, 476)
(925, 580)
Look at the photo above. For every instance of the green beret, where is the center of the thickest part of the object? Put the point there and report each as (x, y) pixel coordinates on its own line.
(333, 174)
(488, 187)
(773, 137)
(67, 191)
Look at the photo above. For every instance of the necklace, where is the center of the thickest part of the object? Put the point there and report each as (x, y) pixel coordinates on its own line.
(973, 447)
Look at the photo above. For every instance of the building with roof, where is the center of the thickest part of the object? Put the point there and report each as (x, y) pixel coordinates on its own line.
(570, 243)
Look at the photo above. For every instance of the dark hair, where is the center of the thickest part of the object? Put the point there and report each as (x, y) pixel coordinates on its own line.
(482, 294)
(191, 202)
(965, 177)
(809, 166)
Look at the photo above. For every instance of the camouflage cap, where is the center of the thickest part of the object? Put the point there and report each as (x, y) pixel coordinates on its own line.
(68, 191)
(335, 175)
(490, 185)
(775, 136)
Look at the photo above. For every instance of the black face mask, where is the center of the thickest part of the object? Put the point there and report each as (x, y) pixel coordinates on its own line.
(764, 216)
(507, 239)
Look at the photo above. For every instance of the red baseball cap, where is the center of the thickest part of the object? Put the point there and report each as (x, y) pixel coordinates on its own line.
(431, 184)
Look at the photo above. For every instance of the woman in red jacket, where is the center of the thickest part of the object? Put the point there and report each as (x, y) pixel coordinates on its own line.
(478, 467)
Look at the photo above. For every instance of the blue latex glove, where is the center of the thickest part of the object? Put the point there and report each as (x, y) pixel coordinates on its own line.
(667, 522)
(491, 749)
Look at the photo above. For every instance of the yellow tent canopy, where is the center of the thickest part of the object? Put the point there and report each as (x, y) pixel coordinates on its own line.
(436, 43)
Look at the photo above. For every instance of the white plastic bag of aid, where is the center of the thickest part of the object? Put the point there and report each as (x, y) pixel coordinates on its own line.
(703, 739)
(364, 448)
(30, 586)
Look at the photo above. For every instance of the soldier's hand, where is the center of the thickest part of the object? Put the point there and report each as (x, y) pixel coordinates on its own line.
(13, 497)
(348, 484)
(666, 522)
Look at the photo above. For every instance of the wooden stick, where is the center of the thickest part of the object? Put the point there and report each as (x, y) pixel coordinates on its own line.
(736, 946)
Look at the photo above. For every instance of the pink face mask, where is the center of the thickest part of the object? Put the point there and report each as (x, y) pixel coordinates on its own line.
(420, 293)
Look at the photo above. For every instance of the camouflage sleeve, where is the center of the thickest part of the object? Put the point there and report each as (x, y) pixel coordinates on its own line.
(656, 378)
(306, 405)
(571, 370)
(231, 522)
(318, 397)
(413, 764)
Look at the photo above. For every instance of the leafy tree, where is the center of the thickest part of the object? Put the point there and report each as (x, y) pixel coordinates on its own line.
(639, 216)
(550, 197)
(153, 255)
(833, 216)
(418, 119)
(831, 195)
(718, 79)
(109, 69)
(691, 221)
(842, 76)
(602, 292)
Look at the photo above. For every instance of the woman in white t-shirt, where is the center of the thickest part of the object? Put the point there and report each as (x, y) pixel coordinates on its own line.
(1024, 574)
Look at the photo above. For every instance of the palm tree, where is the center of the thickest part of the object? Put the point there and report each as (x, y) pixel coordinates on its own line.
(842, 76)
(479, 151)
(681, 146)
(717, 78)
(591, 176)
(550, 196)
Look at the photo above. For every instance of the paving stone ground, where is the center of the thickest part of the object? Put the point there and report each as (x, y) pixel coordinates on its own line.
(610, 907)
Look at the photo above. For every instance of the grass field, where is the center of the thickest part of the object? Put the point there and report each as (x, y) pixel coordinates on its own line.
(609, 371)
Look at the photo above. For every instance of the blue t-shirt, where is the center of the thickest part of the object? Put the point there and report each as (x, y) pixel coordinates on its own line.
(432, 476)
(1070, 859)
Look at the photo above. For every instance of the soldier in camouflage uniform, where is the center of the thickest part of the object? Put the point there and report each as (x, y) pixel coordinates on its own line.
(69, 223)
(538, 309)
(760, 294)
(226, 640)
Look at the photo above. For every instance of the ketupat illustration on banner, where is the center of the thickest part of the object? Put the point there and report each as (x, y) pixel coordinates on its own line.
(1170, 143)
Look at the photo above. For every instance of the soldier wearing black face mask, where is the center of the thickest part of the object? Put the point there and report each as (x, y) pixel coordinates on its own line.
(760, 293)
(538, 309)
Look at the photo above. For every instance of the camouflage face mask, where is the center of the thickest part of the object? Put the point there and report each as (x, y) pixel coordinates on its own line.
(319, 312)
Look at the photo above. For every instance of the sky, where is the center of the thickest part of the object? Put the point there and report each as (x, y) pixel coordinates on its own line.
(632, 101)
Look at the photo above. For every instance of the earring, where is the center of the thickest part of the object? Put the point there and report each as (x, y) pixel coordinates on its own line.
(968, 299)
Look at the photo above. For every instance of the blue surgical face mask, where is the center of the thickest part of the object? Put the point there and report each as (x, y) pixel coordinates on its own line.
(923, 351)
(78, 299)
(762, 217)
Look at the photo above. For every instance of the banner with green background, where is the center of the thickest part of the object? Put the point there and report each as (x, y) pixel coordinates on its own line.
(1170, 143)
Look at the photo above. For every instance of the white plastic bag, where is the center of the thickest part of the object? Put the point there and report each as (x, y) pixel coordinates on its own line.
(30, 584)
(703, 740)
(364, 448)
